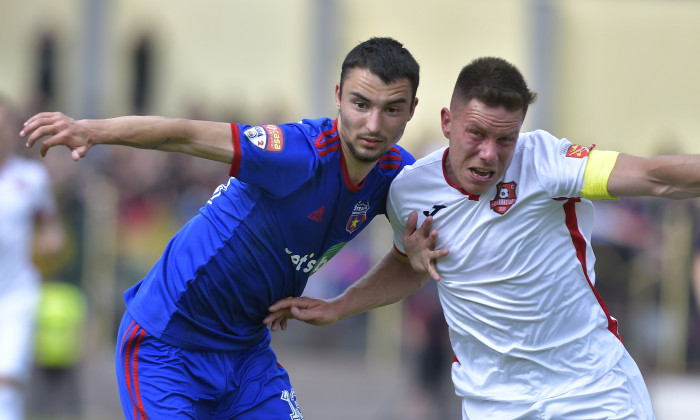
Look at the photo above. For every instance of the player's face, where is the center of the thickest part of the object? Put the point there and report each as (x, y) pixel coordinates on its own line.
(482, 142)
(372, 115)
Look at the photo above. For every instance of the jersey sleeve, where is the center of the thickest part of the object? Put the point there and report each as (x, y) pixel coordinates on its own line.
(560, 164)
(275, 158)
(395, 217)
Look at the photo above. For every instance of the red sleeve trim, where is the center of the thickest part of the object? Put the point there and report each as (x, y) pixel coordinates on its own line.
(235, 140)
(399, 251)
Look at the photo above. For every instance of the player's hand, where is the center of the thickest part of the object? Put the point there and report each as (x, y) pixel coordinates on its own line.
(57, 129)
(420, 246)
(310, 310)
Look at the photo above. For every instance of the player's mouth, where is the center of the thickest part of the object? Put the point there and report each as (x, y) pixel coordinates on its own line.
(371, 141)
(481, 173)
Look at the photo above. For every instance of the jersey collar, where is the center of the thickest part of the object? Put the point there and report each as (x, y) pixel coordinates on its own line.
(473, 197)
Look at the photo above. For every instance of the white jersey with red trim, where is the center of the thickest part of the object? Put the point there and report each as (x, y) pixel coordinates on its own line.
(25, 192)
(517, 286)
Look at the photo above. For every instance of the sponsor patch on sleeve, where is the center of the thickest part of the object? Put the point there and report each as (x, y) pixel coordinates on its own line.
(267, 137)
(577, 151)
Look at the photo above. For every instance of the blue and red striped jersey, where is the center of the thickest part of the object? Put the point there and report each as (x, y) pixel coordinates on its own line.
(288, 207)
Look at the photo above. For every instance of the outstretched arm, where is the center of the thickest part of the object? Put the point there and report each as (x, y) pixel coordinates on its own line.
(389, 281)
(675, 177)
(209, 140)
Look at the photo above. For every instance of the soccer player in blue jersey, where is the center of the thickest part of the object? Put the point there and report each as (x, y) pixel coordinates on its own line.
(192, 343)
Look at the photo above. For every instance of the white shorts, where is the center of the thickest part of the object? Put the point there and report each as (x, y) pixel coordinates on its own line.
(619, 394)
(18, 309)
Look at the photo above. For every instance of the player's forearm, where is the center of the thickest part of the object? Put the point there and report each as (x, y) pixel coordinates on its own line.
(204, 139)
(389, 281)
(674, 177)
(678, 176)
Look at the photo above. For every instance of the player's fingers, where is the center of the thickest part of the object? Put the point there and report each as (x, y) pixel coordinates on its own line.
(271, 319)
(45, 146)
(282, 304)
(54, 141)
(431, 256)
(35, 131)
(39, 116)
(78, 153)
(412, 222)
(432, 270)
(30, 125)
(300, 314)
(424, 228)
(432, 239)
(278, 323)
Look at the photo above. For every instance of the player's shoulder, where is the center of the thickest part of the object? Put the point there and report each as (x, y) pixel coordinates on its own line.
(314, 130)
(315, 127)
(536, 137)
(394, 160)
(431, 161)
(422, 170)
(544, 143)
(295, 138)
(321, 133)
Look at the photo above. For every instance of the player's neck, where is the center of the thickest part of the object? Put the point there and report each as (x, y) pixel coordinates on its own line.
(355, 169)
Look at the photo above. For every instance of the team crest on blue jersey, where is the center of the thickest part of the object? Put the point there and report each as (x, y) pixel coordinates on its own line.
(266, 137)
(505, 197)
(358, 216)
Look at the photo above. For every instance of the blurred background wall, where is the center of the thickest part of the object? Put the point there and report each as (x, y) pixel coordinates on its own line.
(617, 73)
(621, 74)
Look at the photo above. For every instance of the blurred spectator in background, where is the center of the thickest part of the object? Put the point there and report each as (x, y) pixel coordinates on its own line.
(28, 224)
(694, 334)
(59, 350)
(427, 343)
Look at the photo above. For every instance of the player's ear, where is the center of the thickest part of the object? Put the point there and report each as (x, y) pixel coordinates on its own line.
(337, 96)
(413, 108)
(446, 120)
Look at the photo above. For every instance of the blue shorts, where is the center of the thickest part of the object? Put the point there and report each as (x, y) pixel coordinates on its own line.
(159, 381)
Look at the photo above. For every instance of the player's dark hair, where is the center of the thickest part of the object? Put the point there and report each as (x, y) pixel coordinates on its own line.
(384, 57)
(495, 82)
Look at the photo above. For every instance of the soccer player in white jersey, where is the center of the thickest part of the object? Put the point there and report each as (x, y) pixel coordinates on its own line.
(531, 336)
(27, 212)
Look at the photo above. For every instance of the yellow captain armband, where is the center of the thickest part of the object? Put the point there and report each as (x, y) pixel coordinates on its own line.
(595, 177)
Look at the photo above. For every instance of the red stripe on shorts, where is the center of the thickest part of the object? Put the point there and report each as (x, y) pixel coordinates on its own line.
(133, 344)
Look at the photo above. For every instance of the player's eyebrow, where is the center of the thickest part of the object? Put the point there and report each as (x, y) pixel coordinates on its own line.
(477, 126)
(401, 100)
